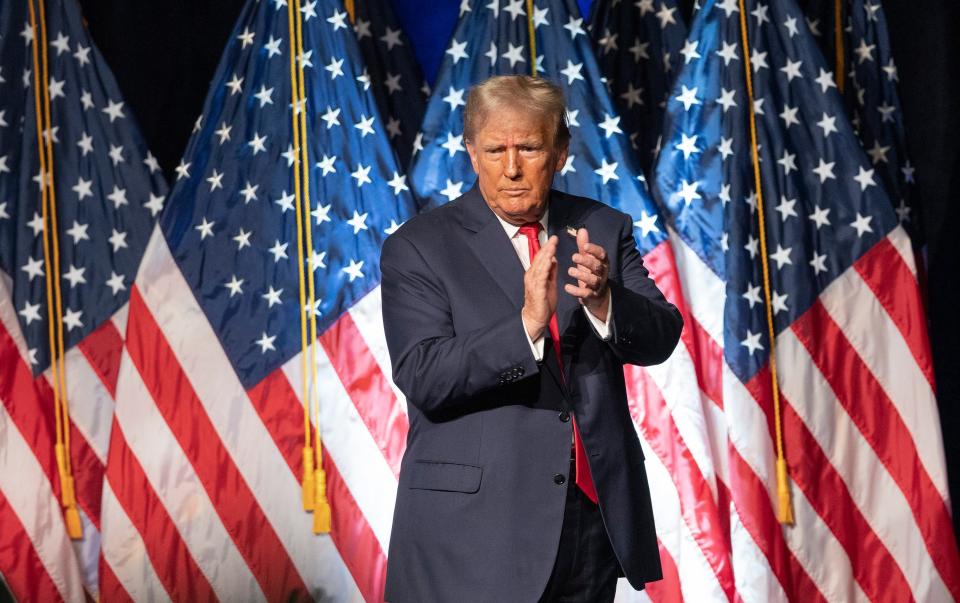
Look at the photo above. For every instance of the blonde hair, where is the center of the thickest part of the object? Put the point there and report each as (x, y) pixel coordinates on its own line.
(533, 95)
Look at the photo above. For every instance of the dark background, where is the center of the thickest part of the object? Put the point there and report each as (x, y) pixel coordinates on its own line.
(163, 53)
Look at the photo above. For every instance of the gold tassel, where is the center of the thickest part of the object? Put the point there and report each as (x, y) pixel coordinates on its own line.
(785, 508)
(74, 527)
(309, 483)
(321, 510)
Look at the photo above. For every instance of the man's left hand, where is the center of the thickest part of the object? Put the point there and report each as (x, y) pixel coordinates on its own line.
(590, 268)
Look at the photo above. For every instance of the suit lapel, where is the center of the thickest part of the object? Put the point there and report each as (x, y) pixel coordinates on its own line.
(490, 244)
(567, 305)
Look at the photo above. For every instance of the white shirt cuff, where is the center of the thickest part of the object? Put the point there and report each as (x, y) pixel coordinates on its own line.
(601, 328)
(536, 346)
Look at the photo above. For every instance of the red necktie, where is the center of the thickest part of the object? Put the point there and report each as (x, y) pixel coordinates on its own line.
(584, 480)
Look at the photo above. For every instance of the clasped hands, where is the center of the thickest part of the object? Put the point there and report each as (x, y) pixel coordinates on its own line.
(590, 268)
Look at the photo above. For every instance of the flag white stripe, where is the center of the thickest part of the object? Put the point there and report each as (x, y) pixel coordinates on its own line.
(900, 240)
(752, 574)
(703, 289)
(91, 405)
(367, 315)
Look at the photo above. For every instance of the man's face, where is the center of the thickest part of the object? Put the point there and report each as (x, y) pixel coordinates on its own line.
(514, 157)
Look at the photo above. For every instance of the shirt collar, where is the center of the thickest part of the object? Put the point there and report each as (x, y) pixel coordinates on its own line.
(512, 229)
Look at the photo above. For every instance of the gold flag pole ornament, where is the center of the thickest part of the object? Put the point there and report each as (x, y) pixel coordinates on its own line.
(313, 480)
(785, 507)
(51, 263)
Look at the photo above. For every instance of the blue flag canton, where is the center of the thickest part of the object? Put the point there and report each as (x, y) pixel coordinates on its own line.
(493, 39)
(108, 187)
(639, 47)
(398, 84)
(823, 203)
(231, 224)
(871, 97)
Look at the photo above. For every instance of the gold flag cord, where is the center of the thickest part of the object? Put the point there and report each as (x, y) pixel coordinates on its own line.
(532, 30)
(785, 508)
(51, 260)
(838, 43)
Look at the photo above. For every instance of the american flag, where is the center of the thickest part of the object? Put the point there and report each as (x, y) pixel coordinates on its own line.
(870, 95)
(668, 408)
(109, 190)
(638, 47)
(397, 82)
(859, 419)
(203, 496)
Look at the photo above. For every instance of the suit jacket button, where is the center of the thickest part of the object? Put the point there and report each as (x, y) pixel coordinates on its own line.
(564, 416)
(559, 479)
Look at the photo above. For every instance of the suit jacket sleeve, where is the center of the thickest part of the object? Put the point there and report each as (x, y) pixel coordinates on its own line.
(645, 326)
(437, 368)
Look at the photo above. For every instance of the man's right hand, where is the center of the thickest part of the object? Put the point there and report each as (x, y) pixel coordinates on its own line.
(540, 290)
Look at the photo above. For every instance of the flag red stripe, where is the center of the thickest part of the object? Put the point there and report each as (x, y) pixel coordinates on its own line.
(895, 287)
(885, 431)
(697, 505)
(368, 387)
(755, 510)
(280, 410)
(102, 348)
(168, 553)
(21, 566)
(232, 498)
(666, 590)
(874, 567)
(110, 588)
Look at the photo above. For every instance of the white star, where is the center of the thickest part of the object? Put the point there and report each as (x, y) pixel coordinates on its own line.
(151, 162)
(572, 118)
(828, 124)
(30, 312)
(36, 224)
(87, 100)
(819, 263)
(724, 194)
(338, 20)
(393, 83)
(116, 154)
(246, 38)
(729, 7)
(257, 143)
(575, 27)
(453, 144)
(62, 43)
(758, 60)
(607, 171)
(752, 342)
(365, 125)
(215, 180)
(864, 51)
(688, 145)
(235, 84)
(56, 88)
(279, 251)
(335, 68)
(83, 188)
(864, 178)
(290, 155)
(264, 96)
(903, 212)
(315, 309)
(824, 170)
(751, 200)
(361, 174)
(752, 295)
(688, 192)
(455, 98)
(878, 153)
(891, 70)
(272, 296)
(332, 117)
(75, 276)
(33, 268)
(393, 127)
(792, 70)
(725, 100)
(86, 144)
(781, 256)
(819, 216)
(114, 110)
(205, 228)
(688, 96)
(789, 116)
(825, 79)
(492, 53)
(392, 38)
(785, 207)
(726, 147)
(779, 302)
(285, 202)
(689, 51)
(249, 192)
(358, 221)
(457, 50)
(886, 112)
(452, 190)
(234, 285)
(117, 239)
(326, 164)
(266, 342)
(791, 24)
(608, 41)
(568, 165)
(907, 170)
(632, 96)
(666, 15)
(647, 223)
(154, 204)
(788, 162)
(354, 270)
(362, 29)
(3, 211)
(644, 6)
(224, 132)
(308, 10)
(115, 282)
(399, 183)
(389, 230)
(514, 54)
(540, 16)
(118, 196)
(364, 78)
(572, 71)
(27, 34)
(751, 246)
(728, 53)
(610, 125)
(243, 239)
(72, 319)
(316, 260)
(862, 224)
(515, 8)
(78, 232)
(761, 14)
(639, 50)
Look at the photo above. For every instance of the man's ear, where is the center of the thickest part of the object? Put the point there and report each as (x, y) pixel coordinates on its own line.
(474, 160)
(561, 158)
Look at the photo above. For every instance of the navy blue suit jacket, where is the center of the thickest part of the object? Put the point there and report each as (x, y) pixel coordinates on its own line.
(478, 511)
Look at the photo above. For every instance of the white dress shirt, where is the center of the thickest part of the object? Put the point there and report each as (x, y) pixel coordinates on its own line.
(522, 247)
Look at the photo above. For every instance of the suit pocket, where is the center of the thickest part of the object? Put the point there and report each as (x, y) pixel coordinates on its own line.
(446, 477)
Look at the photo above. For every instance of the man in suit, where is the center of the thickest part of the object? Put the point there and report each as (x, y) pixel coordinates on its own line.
(523, 478)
